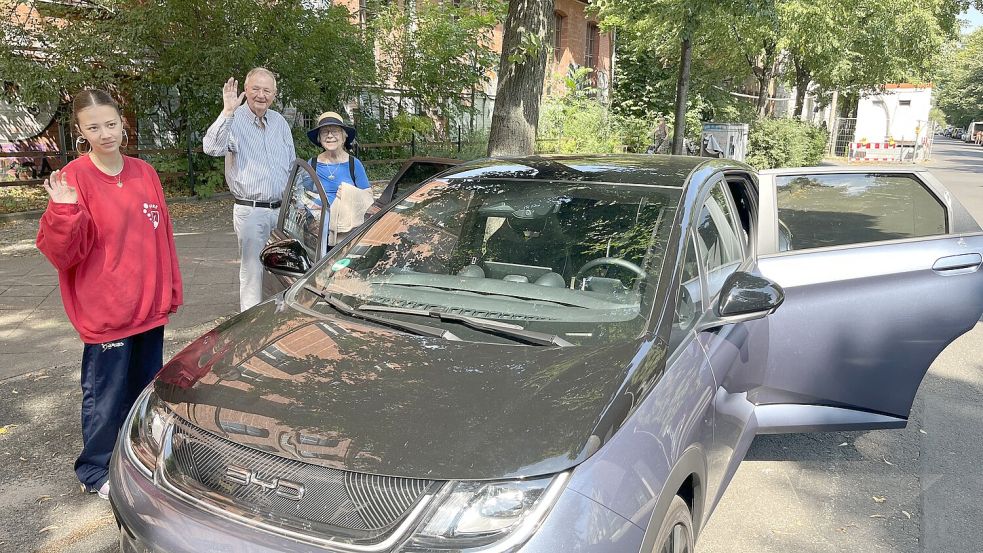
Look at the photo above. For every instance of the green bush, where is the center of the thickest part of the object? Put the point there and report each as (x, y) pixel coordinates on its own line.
(574, 125)
(173, 172)
(777, 143)
(577, 123)
(635, 133)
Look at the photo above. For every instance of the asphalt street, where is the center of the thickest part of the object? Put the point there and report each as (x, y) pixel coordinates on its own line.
(911, 490)
(902, 491)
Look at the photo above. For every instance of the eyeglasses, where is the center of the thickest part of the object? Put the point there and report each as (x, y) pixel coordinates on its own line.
(335, 131)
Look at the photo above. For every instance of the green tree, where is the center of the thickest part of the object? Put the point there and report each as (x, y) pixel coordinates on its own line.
(858, 45)
(441, 53)
(686, 30)
(959, 79)
(816, 38)
(171, 57)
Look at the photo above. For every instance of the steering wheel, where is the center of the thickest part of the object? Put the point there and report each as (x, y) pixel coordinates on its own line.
(614, 261)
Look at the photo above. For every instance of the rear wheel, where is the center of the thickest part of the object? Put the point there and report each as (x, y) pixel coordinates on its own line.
(676, 533)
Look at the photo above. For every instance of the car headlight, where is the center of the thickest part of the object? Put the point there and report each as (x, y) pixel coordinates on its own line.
(145, 429)
(486, 516)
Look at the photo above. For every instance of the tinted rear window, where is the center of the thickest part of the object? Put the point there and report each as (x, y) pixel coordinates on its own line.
(835, 210)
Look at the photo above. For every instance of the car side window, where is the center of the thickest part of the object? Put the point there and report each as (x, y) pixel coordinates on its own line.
(718, 239)
(304, 210)
(823, 210)
(416, 173)
(689, 296)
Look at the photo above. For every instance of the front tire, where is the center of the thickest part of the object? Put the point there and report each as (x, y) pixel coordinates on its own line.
(676, 533)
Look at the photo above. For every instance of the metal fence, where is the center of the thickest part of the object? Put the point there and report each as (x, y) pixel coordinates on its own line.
(26, 168)
(842, 135)
(377, 153)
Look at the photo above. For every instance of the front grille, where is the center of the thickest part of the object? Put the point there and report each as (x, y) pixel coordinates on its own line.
(264, 487)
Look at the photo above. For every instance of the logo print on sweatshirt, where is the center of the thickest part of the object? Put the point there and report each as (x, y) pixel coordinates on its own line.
(111, 345)
(150, 210)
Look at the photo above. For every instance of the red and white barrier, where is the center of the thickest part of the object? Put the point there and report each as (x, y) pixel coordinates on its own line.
(875, 151)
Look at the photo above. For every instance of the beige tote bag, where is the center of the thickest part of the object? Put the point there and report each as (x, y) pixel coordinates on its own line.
(347, 211)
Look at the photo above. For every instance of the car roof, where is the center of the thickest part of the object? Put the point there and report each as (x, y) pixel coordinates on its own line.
(637, 169)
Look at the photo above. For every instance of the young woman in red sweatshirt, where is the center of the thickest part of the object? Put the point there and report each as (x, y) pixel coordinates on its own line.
(108, 232)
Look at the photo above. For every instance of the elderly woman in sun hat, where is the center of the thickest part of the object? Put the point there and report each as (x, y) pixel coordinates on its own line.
(335, 166)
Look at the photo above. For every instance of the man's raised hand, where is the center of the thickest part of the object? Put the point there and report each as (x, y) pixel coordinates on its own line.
(231, 98)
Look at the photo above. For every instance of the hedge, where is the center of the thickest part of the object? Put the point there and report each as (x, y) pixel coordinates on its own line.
(777, 143)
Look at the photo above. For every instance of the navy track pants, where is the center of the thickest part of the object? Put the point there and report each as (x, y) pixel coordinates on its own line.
(113, 375)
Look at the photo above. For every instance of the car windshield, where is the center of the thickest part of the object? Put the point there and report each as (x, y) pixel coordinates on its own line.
(575, 260)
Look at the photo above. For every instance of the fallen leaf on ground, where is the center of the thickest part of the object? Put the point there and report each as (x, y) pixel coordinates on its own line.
(879, 499)
(907, 514)
(47, 528)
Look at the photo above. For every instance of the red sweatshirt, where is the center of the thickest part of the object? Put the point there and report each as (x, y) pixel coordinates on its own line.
(114, 251)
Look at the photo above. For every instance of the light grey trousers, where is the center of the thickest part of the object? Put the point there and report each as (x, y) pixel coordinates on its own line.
(253, 226)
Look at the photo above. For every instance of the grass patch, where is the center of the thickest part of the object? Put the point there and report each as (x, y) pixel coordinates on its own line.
(14, 199)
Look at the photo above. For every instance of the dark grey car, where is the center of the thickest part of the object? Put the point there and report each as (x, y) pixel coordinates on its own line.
(549, 354)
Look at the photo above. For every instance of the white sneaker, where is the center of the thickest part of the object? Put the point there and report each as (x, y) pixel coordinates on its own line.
(103, 491)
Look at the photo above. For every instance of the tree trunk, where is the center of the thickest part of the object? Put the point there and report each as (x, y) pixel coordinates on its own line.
(769, 66)
(762, 103)
(520, 84)
(802, 80)
(682, 91)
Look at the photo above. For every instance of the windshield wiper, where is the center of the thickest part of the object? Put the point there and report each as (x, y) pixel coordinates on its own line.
(515, 332)
(482, 293)
(345, 309)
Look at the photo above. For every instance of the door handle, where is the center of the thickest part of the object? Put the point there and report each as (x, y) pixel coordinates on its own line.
(958, 264)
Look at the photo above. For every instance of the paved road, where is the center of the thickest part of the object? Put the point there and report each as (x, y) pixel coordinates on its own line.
(916, 490)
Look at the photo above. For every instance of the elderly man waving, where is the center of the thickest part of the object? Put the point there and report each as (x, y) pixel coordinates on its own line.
(258, 150)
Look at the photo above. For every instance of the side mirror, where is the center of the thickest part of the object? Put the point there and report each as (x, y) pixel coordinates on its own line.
(286, 257)
(745, 297)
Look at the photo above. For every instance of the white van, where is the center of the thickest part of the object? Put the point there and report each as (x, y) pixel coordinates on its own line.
(974, 127)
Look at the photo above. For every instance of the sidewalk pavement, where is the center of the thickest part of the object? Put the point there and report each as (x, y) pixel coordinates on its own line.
(40, 353)
(34, 331)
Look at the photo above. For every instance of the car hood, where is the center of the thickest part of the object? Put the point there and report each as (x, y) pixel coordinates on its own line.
(356, 397)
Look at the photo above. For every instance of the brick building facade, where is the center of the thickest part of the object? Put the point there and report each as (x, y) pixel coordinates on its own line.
(577, 43)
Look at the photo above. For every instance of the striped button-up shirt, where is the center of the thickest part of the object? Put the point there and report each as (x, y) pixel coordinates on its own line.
(258, 153)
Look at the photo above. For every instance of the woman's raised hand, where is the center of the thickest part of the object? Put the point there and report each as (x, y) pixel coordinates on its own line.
(59, 190)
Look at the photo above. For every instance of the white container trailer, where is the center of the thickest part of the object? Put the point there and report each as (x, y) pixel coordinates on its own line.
(899, 112)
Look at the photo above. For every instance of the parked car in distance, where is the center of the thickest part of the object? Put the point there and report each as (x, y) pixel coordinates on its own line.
(545, 354)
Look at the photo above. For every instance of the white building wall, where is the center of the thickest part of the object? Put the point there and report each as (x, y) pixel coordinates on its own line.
(898, 113)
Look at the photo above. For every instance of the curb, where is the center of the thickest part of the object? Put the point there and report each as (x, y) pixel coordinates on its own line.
(21, 215)
(36, 214)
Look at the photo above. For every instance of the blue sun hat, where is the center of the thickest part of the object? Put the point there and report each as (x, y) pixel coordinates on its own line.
(330, 118)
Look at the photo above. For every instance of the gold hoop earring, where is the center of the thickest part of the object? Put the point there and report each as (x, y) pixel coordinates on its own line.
(78, 146)
(126, 140)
